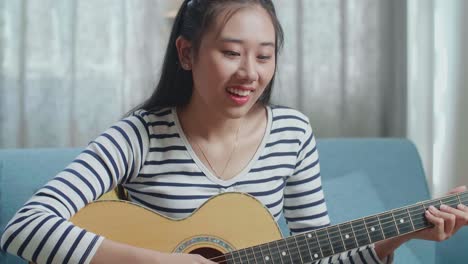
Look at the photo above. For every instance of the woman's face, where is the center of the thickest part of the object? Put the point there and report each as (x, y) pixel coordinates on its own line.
(235, 62)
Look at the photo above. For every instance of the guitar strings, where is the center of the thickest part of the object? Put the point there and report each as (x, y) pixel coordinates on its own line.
(383, 224)
(418, 208)
(247, 255)
(386, 225)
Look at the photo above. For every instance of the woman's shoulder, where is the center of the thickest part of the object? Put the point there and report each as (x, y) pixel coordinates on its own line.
(289, 115)
(150, 116)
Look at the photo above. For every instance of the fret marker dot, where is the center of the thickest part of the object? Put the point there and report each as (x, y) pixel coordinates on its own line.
(267, 258)
(309, 235)
(283, 253)
(346, 236)
(402, 220)
(315, 256)
(372, 229)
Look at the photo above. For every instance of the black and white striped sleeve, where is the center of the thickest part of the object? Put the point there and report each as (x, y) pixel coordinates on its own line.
(40, 230)
(304, 204)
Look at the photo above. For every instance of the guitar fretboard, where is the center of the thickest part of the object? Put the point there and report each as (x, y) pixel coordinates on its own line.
(325, 242)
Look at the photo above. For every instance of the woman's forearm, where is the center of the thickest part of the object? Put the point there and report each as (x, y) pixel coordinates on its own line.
(386, 247)
(115, 252)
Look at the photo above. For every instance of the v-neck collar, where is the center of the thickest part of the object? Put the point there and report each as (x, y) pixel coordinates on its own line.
(242, 174)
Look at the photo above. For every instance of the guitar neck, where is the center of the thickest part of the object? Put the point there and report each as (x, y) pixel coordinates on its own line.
(325, 242)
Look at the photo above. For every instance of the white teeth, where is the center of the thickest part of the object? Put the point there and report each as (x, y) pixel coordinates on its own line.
(239, 92)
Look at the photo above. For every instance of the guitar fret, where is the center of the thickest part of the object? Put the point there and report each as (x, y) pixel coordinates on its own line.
(292, 248)
(287, 250)
(242, 256)
(434, 203)
(229, 258)
(298, 249)
(314, 248)
(464, 197)
(234, 258)
(404, 226)
(393, 216)
(250, 257)
(265, 254)
(380, 224)
(280, 252)
(274, 251)
(335, 238)
(253, 255)
(308, 256)
(318, 244)
(409, 216)
(367, 230)
(450, 201)
(360, 232)
(258, 255)
(324, 242)
(375, 230)
(284, 252)
(341, 236)
(389, 225)
(347, 234)
(329, 240)
(304, 249)
(354, 234)
(269, 258)
(270, 255)
(418, 216)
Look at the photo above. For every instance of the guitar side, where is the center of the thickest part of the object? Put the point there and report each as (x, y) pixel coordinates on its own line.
(223, 223)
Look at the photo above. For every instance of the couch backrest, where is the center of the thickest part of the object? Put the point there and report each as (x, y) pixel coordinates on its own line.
(360, 177)
(22, 173)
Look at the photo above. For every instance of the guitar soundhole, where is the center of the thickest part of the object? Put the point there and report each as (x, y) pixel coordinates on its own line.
(210, 253)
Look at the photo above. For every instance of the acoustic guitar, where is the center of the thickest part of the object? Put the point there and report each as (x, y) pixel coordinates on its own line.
(237, 228)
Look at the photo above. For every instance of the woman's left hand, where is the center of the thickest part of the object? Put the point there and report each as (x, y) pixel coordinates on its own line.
(447, 221)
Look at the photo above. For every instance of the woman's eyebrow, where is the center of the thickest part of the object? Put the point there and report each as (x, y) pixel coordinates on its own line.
(239, 41)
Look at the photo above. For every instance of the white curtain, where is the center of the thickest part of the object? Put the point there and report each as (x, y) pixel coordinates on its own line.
(71, 68)
(438, 89)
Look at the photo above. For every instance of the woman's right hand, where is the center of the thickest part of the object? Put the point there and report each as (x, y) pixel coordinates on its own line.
(180, 258)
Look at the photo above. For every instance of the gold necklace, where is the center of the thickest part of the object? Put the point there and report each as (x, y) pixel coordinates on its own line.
(227, 162)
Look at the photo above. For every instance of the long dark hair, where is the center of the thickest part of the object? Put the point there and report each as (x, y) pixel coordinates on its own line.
(192, 20)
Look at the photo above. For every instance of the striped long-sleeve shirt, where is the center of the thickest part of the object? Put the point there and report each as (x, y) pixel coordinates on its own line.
(149, 154)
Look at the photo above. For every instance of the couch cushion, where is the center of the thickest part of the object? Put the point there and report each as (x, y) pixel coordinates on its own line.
(35, 167)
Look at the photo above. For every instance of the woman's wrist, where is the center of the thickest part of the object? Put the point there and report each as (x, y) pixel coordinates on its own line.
(387, 247)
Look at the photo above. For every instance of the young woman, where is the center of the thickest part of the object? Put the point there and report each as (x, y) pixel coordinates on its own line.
(207, 129)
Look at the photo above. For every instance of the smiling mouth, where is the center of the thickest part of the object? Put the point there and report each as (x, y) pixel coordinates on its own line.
(239, 92)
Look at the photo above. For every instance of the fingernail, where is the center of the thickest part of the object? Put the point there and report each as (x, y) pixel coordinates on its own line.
(432, 208)
(444, 206)
(461, 206)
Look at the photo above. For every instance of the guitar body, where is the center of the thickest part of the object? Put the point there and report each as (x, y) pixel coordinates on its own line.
(237, 228)
(224, 223)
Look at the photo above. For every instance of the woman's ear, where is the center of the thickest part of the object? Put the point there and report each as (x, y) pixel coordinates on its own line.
(184, 51)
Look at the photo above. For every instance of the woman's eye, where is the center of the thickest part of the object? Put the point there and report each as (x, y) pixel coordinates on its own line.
(231, 53)
(261, 57)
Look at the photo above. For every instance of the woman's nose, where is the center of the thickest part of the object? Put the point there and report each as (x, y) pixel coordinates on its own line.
(247, 71)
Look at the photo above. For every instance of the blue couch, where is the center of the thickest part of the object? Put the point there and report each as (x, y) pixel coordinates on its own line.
(360, 177)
